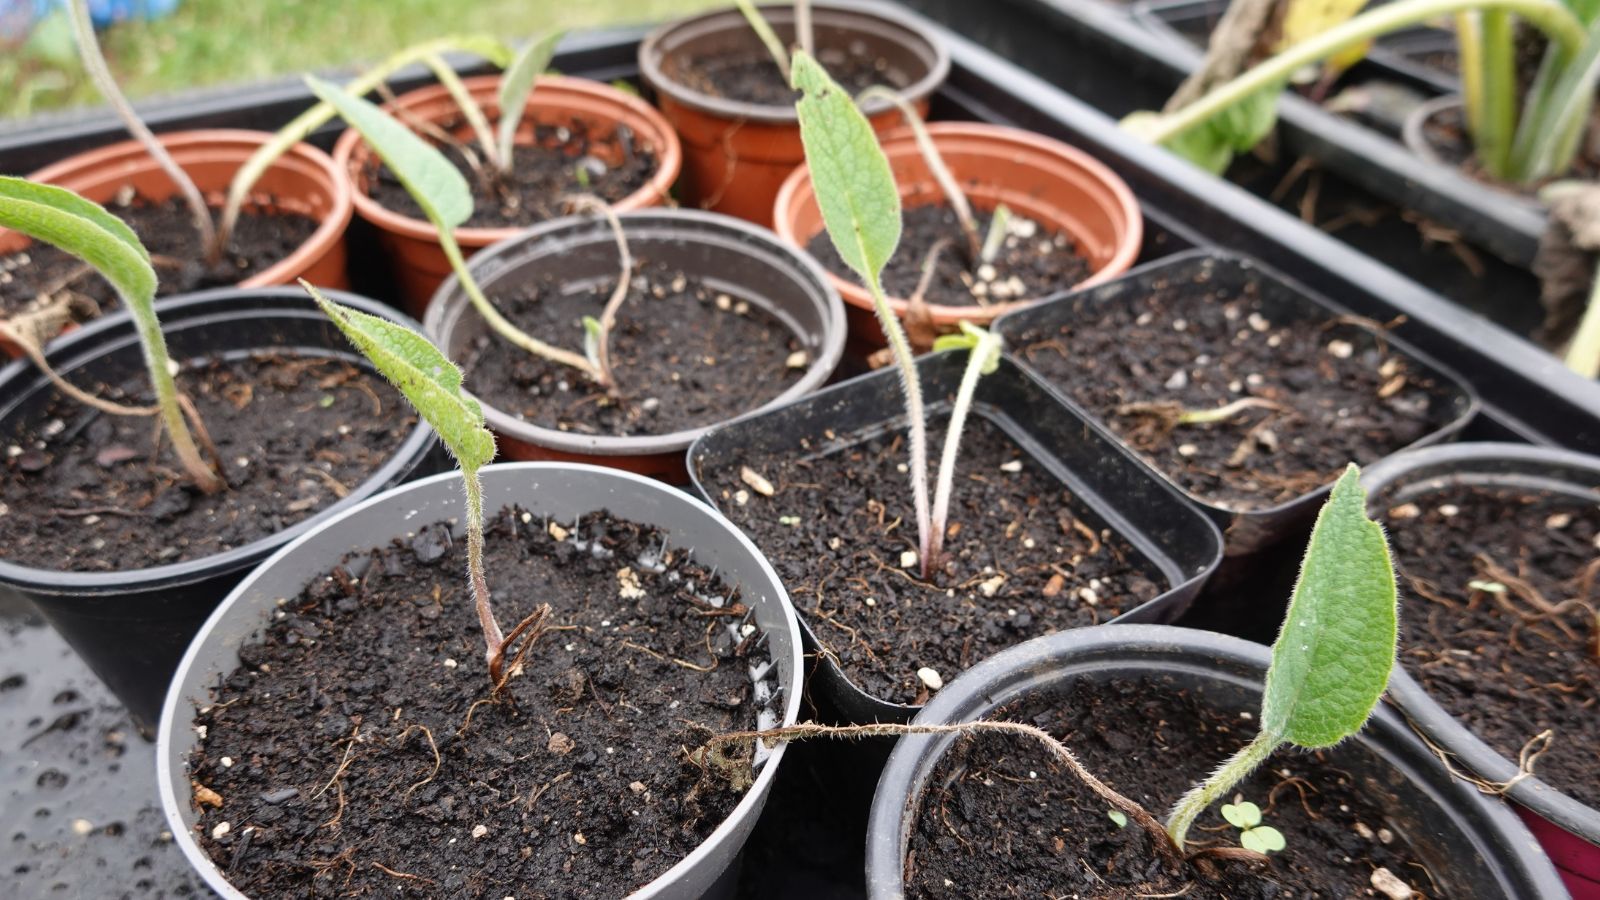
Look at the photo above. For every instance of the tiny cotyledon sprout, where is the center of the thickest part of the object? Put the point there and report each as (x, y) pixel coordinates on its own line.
(1246, 816)
(433, 385)
(1334, 654)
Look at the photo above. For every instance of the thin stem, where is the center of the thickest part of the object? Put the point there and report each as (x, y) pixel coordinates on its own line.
(493, 639)
(978, 359)
(35, 354)
(802, 27)
(608, 316)
(1583, 354)
(1549, 16)
(94, 63)
(1469, 47)
(930, 267)
(1223, 413)
(157, 361)
(1224, 779)
(996, 236)
(911, 387)
(469, 108)
(1498, 115)
(499, 323)
(1551, 130)
(763, 30)
(936, 165)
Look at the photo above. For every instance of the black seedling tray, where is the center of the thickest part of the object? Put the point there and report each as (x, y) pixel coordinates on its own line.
(814, 847)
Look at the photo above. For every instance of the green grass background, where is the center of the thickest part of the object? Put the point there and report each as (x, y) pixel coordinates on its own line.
(213, 42)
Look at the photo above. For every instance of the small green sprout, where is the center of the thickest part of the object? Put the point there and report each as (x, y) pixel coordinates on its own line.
(790, 521)
(983, 358)
(1119, 817)
(326, 401)
(1246, 816)
(996, 236)
(580, 173)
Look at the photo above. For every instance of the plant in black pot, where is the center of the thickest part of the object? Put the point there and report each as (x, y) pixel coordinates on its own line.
(355, 719)
(125, 536)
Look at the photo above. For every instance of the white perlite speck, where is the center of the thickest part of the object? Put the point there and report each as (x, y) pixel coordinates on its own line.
(930, 678)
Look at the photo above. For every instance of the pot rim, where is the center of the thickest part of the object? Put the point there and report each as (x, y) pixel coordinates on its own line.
(797, 190)
(449, 303)
(330, 228)
(1016, 671)
(66, 583)
(1425, 714)
(651, 55)
(351, 152)
(173, 717)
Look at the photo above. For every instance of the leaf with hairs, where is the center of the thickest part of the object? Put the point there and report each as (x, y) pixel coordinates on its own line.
(517, 84)
(82, 228)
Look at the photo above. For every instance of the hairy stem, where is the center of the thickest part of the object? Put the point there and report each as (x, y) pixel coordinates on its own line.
(94, 63)
(911, 387)
(978, 359)
(1224, 779)
(608, 316)
(469, 108)
(769, 38)
(157, 361)
(936, 166)
(802, 27)
(1583, 354)
(493, 639)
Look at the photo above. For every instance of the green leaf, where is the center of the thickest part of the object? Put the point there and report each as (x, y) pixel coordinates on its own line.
(1263, 839)
(971, 338)
(593, 334)
(517, 83)
(430, 381)
(1237, 129)
(84, 229)
(854, 185)
(1333, 657)
(1119, 817)
(1243, 815)
(430, 179)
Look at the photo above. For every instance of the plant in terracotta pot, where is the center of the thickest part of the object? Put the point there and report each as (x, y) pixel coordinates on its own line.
(124, 537)
(292, 224)
(378, 718)
(716, 80)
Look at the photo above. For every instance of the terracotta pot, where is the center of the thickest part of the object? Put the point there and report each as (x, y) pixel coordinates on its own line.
(738, 154)
(1060, 187)
(419, 262)
(304, 181)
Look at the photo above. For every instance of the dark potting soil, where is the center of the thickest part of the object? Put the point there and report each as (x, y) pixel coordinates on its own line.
(1023, 557)
(1339, 394)
(353, 752)
(262, 239)
(84, 491)
(1005, 819)
(747, 74)
(1033, 261)
(685, 354)
(562, 161)
(1502, 666)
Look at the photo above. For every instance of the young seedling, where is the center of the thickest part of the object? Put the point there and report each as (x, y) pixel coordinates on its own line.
(86, 230)
(983, 357)
(1246, 816)
(443, 195)
(433, 385)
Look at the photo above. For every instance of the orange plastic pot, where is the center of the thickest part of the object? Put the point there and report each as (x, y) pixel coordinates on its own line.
(303, 181)
(738, 154)
(418, 261)
(1059, 187)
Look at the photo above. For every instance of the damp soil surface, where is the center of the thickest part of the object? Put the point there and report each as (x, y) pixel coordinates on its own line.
(685, 352)
(747, 74)
(561, 160)
(262, 239)
(1023, 556)
(84, 491)
(1033, 261)
(1482, 568)
(1004, 819)
(1323, 392)
(353, 754)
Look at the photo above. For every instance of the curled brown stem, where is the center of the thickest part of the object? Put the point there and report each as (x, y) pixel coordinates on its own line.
(529, 630)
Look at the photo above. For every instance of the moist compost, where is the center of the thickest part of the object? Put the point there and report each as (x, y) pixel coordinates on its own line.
(1033, 261)
(563, 160)
(263, 237)
(1004, 819)
(747, 73)
(1338, 391)
(1477, 564)
(1024, 557)
(685, 353)
(574, 783)
(84, 491)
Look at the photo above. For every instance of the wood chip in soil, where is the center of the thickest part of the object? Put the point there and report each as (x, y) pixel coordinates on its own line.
(84, 491)
(322, 744)
(685, 355)
(1024, 556)
(1005, 819)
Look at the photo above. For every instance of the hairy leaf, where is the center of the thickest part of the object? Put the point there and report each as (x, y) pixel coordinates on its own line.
(1333, 658)
(854, 185)
(82, 228)
(430, 179)
(517, 83)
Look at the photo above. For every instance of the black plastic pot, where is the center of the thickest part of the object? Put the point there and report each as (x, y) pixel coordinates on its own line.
(1472, 844)
(725, 253)
(558, 490)
(1568, 829)
(1116, 487)
(132, 626)
(1251, 530)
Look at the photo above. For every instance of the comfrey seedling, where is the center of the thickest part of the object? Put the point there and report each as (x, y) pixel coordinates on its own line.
(861, 211)
(802, 31)
(442, 193)
(433, 385)
(86, 230)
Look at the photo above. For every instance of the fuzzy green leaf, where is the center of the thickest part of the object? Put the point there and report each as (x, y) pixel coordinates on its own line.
(437, 186)
(1263, 839)
(1119, 817)
(430, 381)
(1333, 658)
(517, 83)
(84, 229)
(854, 185)
(1242, 815)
